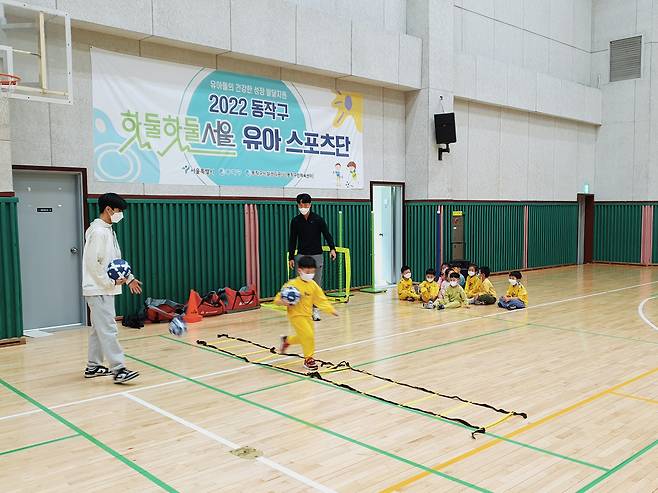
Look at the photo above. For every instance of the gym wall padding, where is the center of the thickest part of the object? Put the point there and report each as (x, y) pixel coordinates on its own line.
(11, 313)
(552, 234)
(618, 232)
(421, 237)
(178, 245)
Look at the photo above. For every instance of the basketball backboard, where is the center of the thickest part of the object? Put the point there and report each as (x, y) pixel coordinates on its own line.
(35, 44)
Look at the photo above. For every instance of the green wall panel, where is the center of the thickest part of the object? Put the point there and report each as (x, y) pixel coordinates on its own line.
(493, 233)
(11, 310)
(174, 246)
(617, 232)
(552, 234)
(420, 241)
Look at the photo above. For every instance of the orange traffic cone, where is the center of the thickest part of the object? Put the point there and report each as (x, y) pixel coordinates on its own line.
(192, 313)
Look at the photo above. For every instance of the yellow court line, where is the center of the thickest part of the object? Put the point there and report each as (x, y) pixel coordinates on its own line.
(523, 429)
(630, 396)
(431, 396)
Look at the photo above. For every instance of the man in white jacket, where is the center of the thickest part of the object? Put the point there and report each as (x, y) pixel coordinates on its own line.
(99, 290)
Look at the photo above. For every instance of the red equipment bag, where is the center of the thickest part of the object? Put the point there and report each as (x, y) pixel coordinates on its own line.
(211, 305)
(245, 299)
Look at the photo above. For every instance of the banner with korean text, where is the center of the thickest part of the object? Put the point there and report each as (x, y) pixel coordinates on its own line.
(160, 122)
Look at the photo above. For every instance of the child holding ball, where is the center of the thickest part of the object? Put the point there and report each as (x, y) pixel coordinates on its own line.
(300, 311)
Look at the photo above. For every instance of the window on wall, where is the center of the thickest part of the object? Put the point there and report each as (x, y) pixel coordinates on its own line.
(626, 59)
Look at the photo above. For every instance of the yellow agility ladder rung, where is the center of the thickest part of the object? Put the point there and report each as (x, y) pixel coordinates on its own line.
(334, 370)
(416, 401)
(381, 387)
(253, 352)
(355, 379)
(289, 363)
(454, 408)
(497, 422)
(260, 360)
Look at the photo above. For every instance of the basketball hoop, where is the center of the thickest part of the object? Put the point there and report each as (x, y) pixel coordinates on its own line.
(8, 83)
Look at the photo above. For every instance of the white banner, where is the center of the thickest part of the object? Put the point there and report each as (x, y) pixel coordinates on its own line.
(159, 122)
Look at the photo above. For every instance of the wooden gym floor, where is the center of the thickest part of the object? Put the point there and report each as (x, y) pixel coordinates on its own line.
(582, 362)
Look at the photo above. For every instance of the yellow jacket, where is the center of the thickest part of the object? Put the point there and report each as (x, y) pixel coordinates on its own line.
(312, 294)
(487, 288)
(472, 287)
(518, 291)
(429, 290)
(405, 285)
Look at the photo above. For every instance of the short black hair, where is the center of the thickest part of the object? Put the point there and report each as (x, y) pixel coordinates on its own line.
(515, 273)
(404, 267)
(473, 265)
(304, 197)
(486, 271)
(306, 262)
(430, 271)
(453, 275)
(112, 200)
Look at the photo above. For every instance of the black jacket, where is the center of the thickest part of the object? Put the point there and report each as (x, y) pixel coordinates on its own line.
(305, 235)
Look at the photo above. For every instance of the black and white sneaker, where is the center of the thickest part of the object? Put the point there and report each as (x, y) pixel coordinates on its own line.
(316, 315)
(124, 375)
(96, 371)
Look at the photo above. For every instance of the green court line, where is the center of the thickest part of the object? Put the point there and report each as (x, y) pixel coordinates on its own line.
(270, 387)
(420, 413)
(128, 339)
(311, 425)
(89, 437)
(38, 444)
(618, 467)
(580, 331)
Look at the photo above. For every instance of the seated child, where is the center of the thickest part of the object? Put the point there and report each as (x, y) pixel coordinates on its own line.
(406, 289)
(516, 296)
(473, 284)
(444, 280)
(429, 289)
(455, 296)
(457, 270)
(487, 293)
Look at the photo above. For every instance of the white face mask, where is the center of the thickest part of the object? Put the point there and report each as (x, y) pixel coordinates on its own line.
(429, 279)
(471, 273)
(304, 210)
(307, 276)
(116, 217)
(454, 283)
(513, 282)
(407, 275)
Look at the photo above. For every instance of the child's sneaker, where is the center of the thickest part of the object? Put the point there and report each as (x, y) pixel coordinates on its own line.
(511, 307)
(316, 315)
(96, 371)
(124, 375)
(284, 345)
(310, 364)
(429, 305)
(439, 306)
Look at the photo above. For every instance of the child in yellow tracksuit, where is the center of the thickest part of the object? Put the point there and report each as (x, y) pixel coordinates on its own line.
(486, 295)
(516, 297)
(429, 289)
(473, 284)
(406, 289)
(300, 315)
(455, 296)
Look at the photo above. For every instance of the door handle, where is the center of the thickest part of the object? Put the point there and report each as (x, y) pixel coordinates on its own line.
(74, 250)
(381, 234)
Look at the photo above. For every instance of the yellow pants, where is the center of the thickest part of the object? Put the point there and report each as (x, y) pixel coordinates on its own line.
(426, 297)
(304, 334)
(409, 293)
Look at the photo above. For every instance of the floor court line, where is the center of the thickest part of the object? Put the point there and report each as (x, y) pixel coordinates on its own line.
(227, 443)
(311, 425)
(636, 397)
(101, 445)
(519, 431)
(640, 311)
(39, 444)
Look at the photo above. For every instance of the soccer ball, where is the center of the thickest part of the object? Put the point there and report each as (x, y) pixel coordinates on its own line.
(291, 294)
(177, 326)
(118, 269)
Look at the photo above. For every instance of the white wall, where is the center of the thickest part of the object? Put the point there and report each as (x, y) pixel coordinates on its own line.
(59, 135)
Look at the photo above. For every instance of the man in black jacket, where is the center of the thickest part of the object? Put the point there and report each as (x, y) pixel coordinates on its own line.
(306, 231)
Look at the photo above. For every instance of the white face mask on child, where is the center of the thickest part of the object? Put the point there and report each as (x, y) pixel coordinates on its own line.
(429, 279)
(454, 283)
(471, 273)
(407, 275)
(304, 210)
(513, 282)
(307, 276)
(116, 217)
